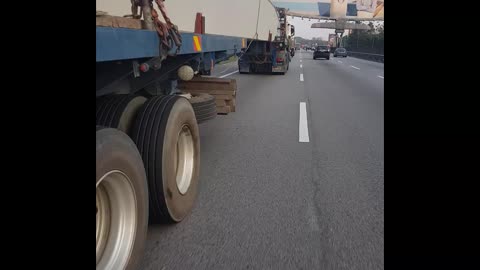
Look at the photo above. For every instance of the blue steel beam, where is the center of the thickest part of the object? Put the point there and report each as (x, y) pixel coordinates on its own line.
(122, 44)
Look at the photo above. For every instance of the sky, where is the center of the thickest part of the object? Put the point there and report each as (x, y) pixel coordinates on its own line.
(303, 29)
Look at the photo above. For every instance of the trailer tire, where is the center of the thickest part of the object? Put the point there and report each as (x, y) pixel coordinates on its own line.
(122, 201)
(119, 111)
(166, 133)
(201, 99)
(240, 70)
(204, 107)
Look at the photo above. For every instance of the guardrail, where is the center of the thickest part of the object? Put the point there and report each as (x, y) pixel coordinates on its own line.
(367, 56)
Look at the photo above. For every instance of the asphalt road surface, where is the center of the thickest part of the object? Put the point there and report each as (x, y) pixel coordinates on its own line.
(285, 185)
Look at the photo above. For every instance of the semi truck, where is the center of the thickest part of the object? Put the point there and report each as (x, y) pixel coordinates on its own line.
(147, 135)
(272, 55)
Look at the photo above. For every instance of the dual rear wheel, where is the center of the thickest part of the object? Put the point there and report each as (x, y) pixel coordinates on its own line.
(148, 161)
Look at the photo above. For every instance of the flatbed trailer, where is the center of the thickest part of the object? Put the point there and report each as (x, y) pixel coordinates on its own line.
(121, 52)
(147, 135)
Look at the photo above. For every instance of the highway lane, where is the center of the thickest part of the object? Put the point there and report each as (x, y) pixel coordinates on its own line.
(361, 63)
(347, 123)
(359, 69)
(269, 201)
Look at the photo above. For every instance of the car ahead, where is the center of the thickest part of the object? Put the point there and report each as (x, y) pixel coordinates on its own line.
(340, 52)
(321, 52)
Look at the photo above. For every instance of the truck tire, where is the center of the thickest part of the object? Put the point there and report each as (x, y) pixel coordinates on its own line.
(166, 133)
(118, 111)
(204, 107)
(122, 201)
(241, 72)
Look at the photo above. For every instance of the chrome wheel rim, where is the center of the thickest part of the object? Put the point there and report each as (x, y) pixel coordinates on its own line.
(116, 220)
(185, 159)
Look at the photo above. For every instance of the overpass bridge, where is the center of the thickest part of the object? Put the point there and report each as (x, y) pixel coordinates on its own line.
(351, 10)
(338, 14)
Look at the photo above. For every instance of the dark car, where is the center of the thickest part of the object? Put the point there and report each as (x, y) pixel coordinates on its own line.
(321, 52)
(340, 52)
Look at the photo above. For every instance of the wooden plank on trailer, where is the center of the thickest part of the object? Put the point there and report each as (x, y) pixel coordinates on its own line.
(119, 22)
(209, 84)
(205, 86)
(223, 109)
(217, 97)
(211, 92)
(220, 102)
(223, 97)
(234, 84)
(232, 104)
(212, 79)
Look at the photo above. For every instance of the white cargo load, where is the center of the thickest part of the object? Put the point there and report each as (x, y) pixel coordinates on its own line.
(222, 17)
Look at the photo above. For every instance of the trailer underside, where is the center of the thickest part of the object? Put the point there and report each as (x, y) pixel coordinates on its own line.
(120, 52)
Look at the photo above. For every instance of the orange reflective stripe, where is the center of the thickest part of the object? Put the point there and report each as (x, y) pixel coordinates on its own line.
(197, 43)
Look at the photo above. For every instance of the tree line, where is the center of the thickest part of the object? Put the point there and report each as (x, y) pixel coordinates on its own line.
(370, 41)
